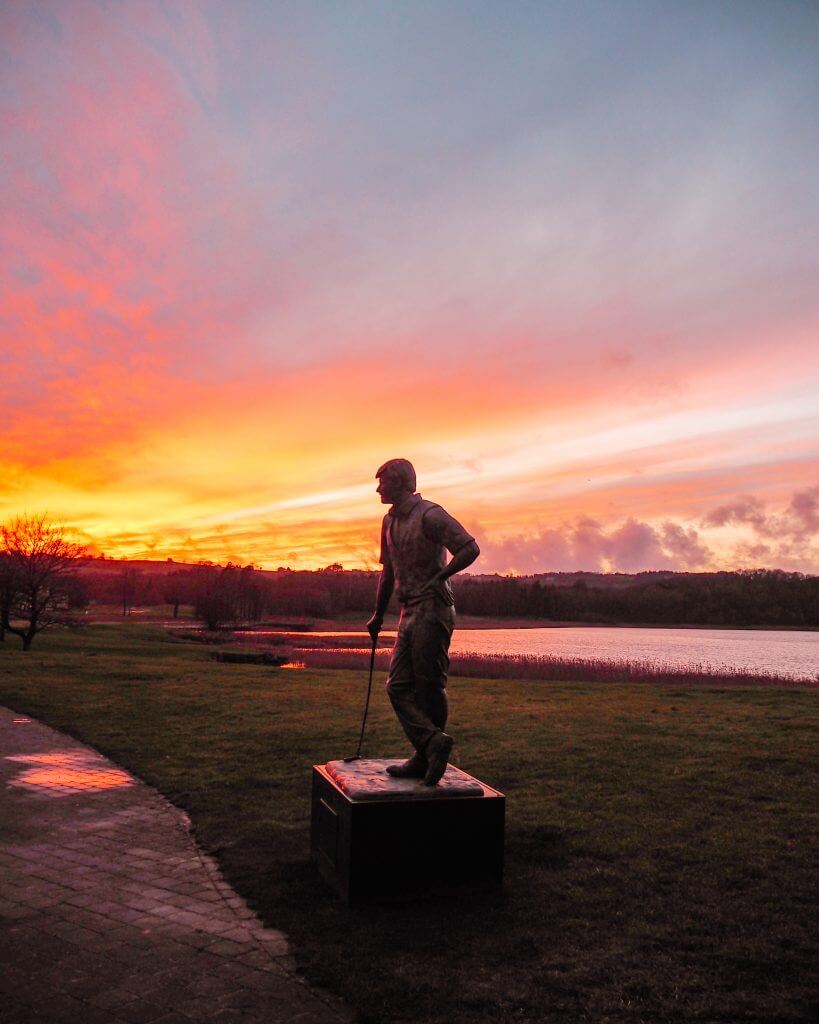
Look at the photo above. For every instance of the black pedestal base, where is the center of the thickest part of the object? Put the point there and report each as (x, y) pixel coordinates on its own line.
(402, 841)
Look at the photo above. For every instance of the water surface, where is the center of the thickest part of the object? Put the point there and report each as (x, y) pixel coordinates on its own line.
(792, 653)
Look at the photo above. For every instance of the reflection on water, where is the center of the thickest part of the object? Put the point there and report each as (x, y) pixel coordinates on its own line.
(782, 652)
(63, 772)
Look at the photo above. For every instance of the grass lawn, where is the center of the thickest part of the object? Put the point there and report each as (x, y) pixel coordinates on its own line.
(660, 840)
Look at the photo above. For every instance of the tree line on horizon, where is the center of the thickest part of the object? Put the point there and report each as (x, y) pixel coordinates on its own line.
(45, 580)
(223, 595)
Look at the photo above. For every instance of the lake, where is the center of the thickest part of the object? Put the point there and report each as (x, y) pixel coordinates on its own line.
(782, 652)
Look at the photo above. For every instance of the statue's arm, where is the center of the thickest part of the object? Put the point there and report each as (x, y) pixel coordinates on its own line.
(462, 558)
(441, 528)
(386, 585)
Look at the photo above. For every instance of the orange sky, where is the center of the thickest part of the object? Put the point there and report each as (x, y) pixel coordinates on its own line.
(235, 285)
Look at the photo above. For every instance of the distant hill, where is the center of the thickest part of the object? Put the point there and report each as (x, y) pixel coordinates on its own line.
(599, 580)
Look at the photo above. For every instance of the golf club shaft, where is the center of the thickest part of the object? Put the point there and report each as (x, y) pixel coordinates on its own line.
(367, 702)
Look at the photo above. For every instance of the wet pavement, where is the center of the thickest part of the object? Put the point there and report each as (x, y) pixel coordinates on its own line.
(110, 913)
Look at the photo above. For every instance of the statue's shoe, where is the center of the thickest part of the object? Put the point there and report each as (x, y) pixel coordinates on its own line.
(414, 768)
(437, 750)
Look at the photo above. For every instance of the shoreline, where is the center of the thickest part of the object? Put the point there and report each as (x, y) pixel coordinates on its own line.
(470, 622)
(303, 624)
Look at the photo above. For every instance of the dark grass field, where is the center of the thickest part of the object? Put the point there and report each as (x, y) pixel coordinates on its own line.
(660, 839)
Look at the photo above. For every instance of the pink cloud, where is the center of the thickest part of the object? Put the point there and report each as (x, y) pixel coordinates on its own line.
(134, 254)
(684, 546)
(797, 523)
(744, 510)
(783, 539)
(587, 545)
(804, 512)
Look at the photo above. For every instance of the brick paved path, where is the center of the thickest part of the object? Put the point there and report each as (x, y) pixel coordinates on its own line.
(110, 913)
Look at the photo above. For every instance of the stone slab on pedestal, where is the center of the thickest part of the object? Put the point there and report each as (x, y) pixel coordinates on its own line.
(367, 779)
(376, 838)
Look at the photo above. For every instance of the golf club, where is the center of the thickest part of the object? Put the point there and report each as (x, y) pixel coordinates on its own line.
(357, 755)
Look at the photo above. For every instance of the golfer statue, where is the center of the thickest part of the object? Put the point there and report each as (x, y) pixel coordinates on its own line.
(415, 536)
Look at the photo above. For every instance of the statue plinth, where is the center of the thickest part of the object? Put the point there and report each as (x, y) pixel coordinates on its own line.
(375, 838)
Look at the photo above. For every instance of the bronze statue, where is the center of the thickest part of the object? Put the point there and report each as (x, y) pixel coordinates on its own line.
(415, 536)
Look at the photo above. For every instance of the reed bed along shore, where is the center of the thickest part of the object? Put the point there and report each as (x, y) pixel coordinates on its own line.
(547, 668)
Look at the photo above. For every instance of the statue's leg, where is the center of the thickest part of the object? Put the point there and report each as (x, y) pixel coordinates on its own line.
(401, 686)
(430, 660)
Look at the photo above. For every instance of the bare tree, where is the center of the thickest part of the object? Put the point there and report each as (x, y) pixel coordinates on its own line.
(8, 588)
(128, 582)
(37, 562)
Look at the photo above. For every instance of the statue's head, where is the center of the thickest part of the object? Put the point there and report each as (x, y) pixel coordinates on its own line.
(396, 480)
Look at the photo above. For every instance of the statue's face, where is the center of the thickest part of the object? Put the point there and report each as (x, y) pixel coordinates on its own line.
(390, 487)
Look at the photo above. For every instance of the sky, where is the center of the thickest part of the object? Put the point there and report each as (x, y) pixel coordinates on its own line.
(561, 255)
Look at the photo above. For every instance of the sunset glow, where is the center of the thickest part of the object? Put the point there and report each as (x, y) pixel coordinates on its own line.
(562, 257)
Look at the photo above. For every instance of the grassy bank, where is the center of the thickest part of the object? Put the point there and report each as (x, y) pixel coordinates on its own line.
(659, 841)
